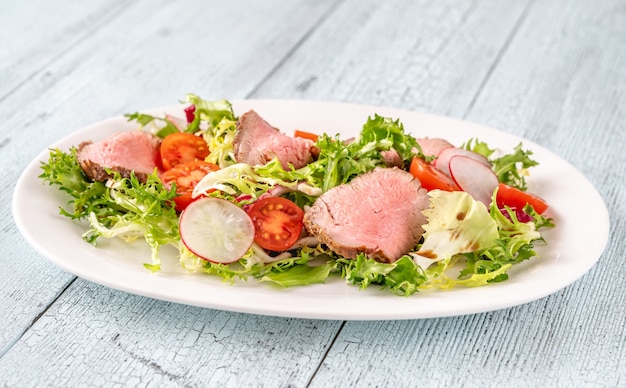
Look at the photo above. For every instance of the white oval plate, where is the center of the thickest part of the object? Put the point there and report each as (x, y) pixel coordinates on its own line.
(113, 263)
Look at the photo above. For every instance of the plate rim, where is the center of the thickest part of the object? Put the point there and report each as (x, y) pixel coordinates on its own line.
(334, 313)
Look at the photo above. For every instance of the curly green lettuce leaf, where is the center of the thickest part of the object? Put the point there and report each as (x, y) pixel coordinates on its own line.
(299, 275)
(123, 207)
(220, 140)
(438, 277)
(340, 161)
(515, 243)
(402, 277)
(310, 265)
(242, 179)
(382, 133)
(160, 126)
(145, 210)
(210, 112)
(85, 196)
(207, 114)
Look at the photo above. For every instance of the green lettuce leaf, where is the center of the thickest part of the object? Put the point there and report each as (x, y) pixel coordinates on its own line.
(124, 207)
(299, 275)
(85, 196)
(160, 126)
(402, 277)
(210, 112)
(340, 161)
(515, 243)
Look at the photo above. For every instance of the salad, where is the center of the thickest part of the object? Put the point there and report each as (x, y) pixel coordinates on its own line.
(239, 199)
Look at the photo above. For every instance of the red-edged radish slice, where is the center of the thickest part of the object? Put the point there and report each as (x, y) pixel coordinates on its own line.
(474, 178)
(442, 163)
(216, 230)
(179, 123)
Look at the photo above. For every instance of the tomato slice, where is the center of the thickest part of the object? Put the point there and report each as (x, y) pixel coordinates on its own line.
(305, 135)
(181, 147)
(186, 176)
(277, 222)
(430, 177)
(517, 199)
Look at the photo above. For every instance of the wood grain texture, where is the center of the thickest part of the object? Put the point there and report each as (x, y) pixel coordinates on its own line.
(27, 46)
(137, 58)
(29, 43)
(414, 55)
(552, 71)
(555, 84)
(93, 336)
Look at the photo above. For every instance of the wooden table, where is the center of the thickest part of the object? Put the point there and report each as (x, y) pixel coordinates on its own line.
(553, 72)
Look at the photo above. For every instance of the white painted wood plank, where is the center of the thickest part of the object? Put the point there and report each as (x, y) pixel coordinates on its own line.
(574, 337)
(414, 55)
(95, 336)
(152, 53)
(34, 32)
(561, 83)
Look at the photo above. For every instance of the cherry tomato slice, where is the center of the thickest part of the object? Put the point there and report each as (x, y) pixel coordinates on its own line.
(517, 199)
(186, 176)
(305, 135)
(430, 177)
(277, 222)
(181, 147)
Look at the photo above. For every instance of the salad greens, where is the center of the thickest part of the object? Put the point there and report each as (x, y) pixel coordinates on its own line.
(339, 162)
(510, 169)
(463, 236)
(124, 207)
(456, 223)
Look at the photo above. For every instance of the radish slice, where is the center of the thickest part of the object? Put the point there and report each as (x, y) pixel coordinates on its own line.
(179, 123)
(442, 163)
(216, 230)
(473, 177)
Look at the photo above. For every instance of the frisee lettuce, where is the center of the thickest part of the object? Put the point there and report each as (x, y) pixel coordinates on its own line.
(402, 277)
(129, 209)
(85, 196)
(124, 207)
(485, 244)
(159, 126)
(242, 179)
(340, 161)
(512, 168)
(209, 112)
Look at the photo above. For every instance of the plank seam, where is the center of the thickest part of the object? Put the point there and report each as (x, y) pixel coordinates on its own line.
(330, 346)
(95, 27)
(37, 317)
(499, 56)
(295, 47)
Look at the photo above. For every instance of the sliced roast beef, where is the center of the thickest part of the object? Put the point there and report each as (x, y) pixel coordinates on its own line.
(429, 146)
(378, 213)
(257, 142)
(391, 158)
(124, 152)
(433, 146)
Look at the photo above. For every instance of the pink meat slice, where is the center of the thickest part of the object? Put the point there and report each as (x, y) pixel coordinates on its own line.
(124, 152)
(257, 143)
(433, 146)
(378, 213)
(430, 147)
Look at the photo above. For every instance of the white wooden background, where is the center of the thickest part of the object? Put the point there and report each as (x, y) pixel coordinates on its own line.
(551, 71)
